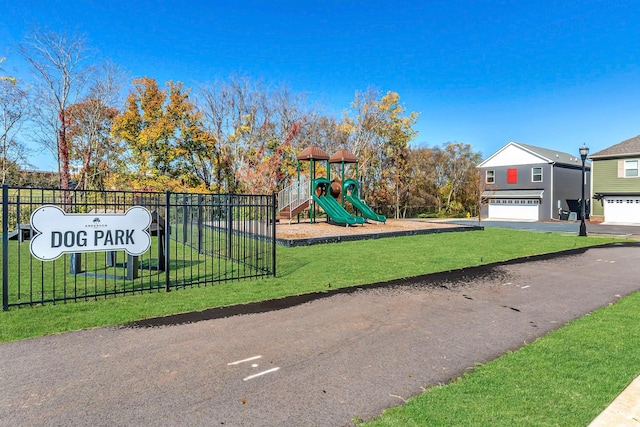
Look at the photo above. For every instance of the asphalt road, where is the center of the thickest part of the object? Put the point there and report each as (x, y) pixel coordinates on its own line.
(631, 231)
(319, 363)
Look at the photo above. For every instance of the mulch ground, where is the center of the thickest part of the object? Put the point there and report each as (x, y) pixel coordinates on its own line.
(306, 230)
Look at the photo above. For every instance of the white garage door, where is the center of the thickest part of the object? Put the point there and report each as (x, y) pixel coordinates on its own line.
(517, 209)
(622, 210)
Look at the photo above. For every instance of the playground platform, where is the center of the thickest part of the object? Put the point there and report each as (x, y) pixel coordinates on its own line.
(305, 233)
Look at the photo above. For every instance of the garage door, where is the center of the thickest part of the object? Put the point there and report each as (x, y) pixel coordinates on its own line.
(622, 210)
(517, 209)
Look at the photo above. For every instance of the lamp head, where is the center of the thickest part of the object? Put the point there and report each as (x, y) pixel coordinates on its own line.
(584, 152)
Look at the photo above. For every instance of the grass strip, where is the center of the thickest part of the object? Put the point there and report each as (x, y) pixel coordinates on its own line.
(564, 378)
(301, 270)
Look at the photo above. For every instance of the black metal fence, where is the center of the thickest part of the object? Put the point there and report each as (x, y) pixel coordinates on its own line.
(196, 240)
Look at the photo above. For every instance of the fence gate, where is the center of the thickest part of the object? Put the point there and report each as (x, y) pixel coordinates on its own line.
(195, 240)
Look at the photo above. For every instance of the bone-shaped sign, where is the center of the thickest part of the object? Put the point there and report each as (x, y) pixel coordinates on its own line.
(59, 232)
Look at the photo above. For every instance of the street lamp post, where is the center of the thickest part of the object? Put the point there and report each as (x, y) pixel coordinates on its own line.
(584, 152)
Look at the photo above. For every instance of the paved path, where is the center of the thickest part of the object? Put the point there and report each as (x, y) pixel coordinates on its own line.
(624, 411)
(320, 363)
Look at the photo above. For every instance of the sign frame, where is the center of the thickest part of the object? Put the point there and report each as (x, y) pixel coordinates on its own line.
(58, 232)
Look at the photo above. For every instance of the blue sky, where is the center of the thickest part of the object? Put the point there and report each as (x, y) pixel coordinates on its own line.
(555, 74)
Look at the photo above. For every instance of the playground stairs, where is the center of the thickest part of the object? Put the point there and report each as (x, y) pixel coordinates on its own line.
(293, 199)
(289, 213)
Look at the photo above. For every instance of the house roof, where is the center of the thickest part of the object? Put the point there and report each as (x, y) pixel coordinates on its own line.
(553, 155)
(629, 147)
(513, 194)
(545, 154)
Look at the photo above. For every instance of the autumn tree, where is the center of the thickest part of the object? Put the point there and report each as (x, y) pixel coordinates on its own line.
(226, 108)
(282, 135)
(89, 127)
(91, 144)
(13, 112)
(257, 131)
(459, 169)
(444, 178)
(162, 131)
(395, 150)
(423, 194)
(58, 63)
(379, 134)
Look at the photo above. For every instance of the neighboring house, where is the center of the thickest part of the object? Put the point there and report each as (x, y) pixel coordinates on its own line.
(616, 182)
(523, 182)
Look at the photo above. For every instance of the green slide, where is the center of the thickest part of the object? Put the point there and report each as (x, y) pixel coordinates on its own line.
(335, 211)
(365, 209)
(337, 206)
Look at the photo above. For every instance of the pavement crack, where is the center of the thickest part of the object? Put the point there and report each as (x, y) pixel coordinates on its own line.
(511, 308)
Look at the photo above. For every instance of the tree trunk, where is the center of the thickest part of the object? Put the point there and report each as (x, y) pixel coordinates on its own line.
(63, 152)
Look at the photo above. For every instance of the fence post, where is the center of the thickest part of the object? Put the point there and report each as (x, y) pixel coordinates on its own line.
(184, 219)
(5, 247)
(229, 226)
(200, 249)
(273, 232)
(167, 238)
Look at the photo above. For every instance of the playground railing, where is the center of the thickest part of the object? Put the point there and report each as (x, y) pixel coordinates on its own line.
(294, 195)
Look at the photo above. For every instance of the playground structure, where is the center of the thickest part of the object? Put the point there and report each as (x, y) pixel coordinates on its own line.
(330, 195)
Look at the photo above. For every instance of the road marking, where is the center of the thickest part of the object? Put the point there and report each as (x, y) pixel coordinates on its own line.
(524, 287)
(268, 371)
(237, 362)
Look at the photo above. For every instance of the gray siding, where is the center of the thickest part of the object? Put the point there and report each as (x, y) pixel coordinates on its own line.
(559, 182)
(568, 186)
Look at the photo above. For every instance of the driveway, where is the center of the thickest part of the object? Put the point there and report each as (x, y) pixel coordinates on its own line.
(350, 353)
(631, 231)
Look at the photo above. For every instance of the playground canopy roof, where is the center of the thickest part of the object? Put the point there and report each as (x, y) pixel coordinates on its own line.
(313, 153)
(343, 156)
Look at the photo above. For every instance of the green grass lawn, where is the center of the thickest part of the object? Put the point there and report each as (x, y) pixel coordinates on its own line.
(565, 378)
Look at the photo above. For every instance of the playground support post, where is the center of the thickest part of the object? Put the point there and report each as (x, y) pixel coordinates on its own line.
(342, 185)
(313, 205)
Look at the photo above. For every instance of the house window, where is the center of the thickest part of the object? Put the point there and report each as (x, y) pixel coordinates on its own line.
(630, 168)
(536, 174)
(512, 176)
(490, 177)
